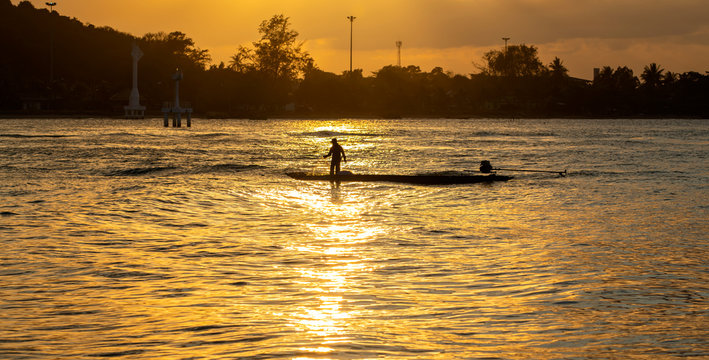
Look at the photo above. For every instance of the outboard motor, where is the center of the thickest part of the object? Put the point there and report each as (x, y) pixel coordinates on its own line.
(485, 167)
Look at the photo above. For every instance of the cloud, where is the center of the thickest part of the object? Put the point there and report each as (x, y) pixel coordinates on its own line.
(450, 23)
(447, 33)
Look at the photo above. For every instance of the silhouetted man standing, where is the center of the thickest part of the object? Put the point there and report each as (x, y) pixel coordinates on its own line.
(338, 153)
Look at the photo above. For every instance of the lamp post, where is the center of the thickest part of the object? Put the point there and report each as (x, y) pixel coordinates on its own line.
(506, 64)
(51, 5)
(351, 18)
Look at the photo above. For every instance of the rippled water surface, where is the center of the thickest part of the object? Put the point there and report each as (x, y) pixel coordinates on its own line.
(123, 239)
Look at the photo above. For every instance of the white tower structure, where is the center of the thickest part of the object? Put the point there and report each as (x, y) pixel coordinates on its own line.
(134, 110)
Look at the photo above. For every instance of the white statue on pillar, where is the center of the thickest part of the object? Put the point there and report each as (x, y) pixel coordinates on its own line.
(177, 77)
(134, 110)
(175, 109)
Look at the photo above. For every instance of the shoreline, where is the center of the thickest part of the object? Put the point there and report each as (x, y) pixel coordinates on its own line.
(354, 117)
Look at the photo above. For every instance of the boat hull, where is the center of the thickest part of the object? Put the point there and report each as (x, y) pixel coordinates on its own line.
(406, 179)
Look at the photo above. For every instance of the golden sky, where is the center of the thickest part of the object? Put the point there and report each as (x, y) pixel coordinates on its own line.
(448, 33)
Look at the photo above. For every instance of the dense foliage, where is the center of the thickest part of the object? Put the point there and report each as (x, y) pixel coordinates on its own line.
(277, 55)
(54, 64)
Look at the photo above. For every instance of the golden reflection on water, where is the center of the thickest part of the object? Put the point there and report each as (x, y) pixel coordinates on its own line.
(336, 233)
(336, 241)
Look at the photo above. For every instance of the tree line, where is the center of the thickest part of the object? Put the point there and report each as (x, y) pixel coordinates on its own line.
(58, 65)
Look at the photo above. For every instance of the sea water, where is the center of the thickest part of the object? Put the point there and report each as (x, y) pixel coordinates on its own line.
(124, 239)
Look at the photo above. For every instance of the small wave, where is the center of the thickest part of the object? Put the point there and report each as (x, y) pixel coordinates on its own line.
(595, 173)
(7, 213)
(514, 133)
(222, 168)
(212, 135)
(196, 170)
(118, 353)
(247, 339)
(207, 328)
(122, 133)
(129, 188)
(21, 136)
(443, 173)
(327, 133)
(140, 171)
(75, 312)
(127, 274)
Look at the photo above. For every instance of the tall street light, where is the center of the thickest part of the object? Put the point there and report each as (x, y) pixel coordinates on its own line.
(506, 64)
(51, 5)
(351, 18)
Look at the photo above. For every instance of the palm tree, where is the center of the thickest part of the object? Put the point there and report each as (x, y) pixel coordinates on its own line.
(242, 60)
(557, 68)
(652, 75)
(604, 78)
(669, 78)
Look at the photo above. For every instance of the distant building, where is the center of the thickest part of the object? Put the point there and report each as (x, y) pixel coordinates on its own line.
(33, 103)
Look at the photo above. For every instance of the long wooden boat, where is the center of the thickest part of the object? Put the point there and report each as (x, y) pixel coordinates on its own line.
(432, 179)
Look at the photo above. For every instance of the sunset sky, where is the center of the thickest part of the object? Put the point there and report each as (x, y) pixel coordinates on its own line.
(448, 33)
